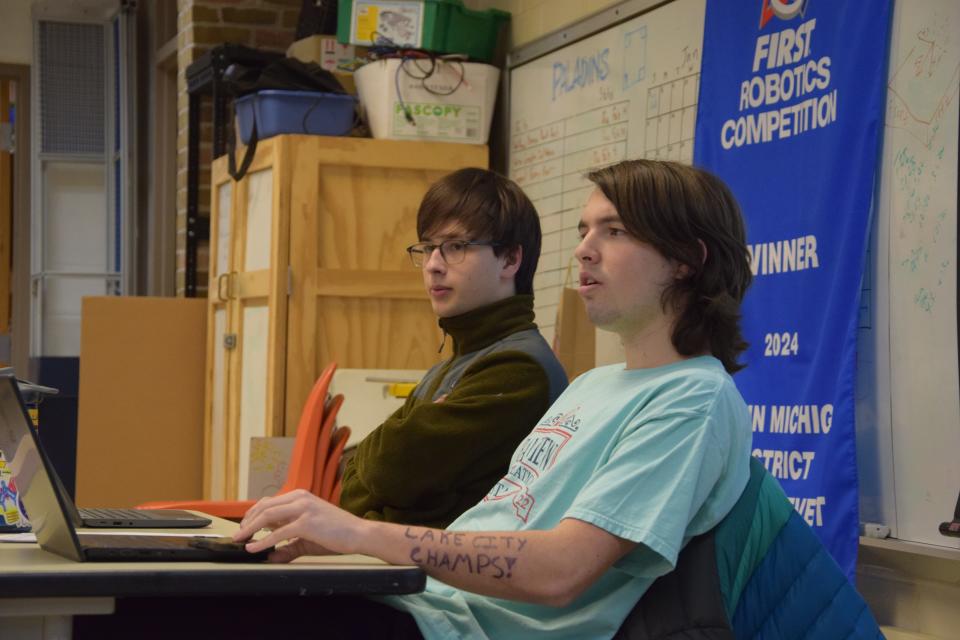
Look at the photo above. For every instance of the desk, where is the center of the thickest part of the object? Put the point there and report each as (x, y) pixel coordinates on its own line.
(40, 591)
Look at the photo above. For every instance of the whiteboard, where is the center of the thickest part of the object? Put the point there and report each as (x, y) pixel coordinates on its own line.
(630, 91)
(627, 92)
(916, 236)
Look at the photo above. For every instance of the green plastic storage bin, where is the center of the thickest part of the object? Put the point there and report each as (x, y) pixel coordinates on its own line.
(441, 26)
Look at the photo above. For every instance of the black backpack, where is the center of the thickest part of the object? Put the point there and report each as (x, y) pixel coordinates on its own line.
(287, 74)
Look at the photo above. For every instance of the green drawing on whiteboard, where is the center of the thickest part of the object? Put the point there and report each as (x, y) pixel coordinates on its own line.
(925, 299)
(917, 256)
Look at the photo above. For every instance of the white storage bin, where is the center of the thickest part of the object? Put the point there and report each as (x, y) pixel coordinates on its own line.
(453, 104)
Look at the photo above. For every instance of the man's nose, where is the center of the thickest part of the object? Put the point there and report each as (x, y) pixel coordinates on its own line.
(585, 252)
(434, 261)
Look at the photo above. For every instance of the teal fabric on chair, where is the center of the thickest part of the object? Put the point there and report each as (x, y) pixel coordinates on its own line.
(761, 574)
(787, 586)
(745, 535)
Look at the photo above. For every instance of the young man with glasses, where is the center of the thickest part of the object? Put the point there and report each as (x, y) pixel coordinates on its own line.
(630, 463)
(451, 441)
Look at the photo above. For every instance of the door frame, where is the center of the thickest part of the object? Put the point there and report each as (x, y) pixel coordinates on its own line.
(20, 242)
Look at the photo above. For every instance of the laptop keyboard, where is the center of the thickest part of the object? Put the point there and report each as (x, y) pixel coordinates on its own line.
(117, 514)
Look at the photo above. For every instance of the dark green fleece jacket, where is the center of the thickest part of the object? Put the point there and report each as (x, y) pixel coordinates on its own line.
(440, 452)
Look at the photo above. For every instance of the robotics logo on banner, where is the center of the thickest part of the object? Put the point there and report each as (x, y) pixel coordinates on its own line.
(783, 9)
(790, 85)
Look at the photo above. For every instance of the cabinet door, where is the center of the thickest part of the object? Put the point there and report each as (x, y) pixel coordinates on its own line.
(248, 319)
(219, 337)
(258, 314)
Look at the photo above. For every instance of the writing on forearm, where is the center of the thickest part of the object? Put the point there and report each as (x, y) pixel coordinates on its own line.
(488, 555)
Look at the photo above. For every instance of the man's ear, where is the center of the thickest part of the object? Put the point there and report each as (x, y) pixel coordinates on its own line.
(684, 270)
(512, 260)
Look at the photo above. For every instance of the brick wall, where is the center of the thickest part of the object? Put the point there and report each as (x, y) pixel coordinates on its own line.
(202, 24)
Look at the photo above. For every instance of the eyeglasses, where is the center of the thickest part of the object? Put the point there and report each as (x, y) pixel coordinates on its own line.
(452, 251)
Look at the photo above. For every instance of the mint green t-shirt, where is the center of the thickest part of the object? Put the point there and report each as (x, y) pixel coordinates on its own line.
(655, 456)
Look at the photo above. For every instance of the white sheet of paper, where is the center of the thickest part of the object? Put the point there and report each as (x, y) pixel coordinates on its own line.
(26, 536)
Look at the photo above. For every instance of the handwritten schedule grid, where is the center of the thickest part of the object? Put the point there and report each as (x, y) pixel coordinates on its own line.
(550, 162)
(671, 119)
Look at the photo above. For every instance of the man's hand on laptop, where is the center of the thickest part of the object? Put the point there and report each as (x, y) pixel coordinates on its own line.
(307, 524)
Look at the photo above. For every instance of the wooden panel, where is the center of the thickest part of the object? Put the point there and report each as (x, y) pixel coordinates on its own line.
(6, 214)
(140, 426)
(253, 284)
(220, 229)
(215, 431)
(404, 285)
(257, 244)
(301, 369)
(367, 217)
(377, 334)
(368, 152)
(216, 401)
(278, 299)
(254, 397)
(234, 356)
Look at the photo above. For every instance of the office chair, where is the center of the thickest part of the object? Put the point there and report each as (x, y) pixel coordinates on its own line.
(311, 450)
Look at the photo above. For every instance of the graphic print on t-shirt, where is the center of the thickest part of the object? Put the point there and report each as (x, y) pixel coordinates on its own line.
(535, 456)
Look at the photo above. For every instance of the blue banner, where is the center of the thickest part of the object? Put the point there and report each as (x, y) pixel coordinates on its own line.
(789, 116)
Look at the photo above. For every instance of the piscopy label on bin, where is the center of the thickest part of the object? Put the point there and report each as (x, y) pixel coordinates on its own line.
(437, 120)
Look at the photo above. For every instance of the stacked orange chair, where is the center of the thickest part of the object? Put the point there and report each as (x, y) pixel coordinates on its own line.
(326, 478)
(316, 446)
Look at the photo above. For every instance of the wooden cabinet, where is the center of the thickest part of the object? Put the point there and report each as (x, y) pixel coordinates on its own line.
(307, 265)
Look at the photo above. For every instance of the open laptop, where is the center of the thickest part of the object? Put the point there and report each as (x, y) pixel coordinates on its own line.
(136, 518)
(50, 516)
(109, 518)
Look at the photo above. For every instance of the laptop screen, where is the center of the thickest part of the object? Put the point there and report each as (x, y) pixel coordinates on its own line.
(31, 472)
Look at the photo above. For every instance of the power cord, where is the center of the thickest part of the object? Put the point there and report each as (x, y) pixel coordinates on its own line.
(416, 57)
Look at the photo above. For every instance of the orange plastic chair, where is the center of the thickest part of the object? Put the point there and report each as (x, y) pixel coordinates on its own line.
(331, 470)
(335, 494)
(323, 443)
(307, 454)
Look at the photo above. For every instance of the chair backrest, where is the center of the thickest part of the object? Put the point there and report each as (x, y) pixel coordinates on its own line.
(303, 460)
(324, 442)
(762, 569)
(332, 467)
(781, 576)
(335, 493)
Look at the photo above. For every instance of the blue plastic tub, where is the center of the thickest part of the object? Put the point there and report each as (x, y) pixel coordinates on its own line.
(276, 112)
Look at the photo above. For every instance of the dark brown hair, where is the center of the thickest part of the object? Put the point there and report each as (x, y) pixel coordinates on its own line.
(674, 207)
(489, 207)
